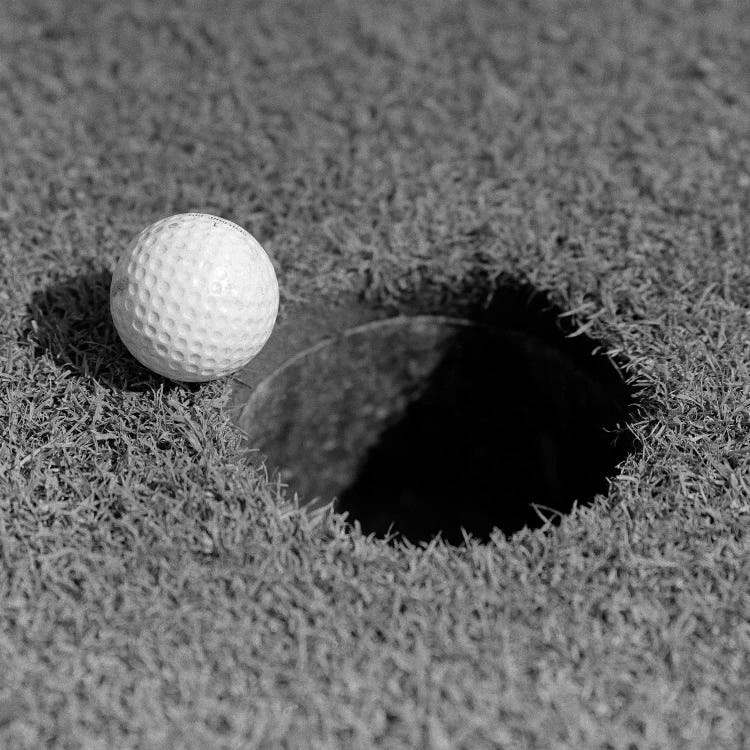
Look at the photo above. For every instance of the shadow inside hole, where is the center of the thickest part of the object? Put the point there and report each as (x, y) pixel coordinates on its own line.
(427, 425)
(506, 423)
(70, 322)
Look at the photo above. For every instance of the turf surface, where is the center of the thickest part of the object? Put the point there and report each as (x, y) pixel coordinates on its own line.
(155, 592)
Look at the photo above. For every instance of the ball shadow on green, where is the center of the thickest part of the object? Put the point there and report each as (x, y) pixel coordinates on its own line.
(69, 321)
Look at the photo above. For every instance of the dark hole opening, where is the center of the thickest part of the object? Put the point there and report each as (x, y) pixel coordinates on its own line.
(508, 422)
(511, 424)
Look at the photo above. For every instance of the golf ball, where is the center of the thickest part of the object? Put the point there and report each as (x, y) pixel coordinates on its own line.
(194, 297)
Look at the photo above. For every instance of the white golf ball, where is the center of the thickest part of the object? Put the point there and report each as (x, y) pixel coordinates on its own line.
(194, 297)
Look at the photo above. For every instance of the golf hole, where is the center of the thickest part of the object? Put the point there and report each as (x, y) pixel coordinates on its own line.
(424, 425)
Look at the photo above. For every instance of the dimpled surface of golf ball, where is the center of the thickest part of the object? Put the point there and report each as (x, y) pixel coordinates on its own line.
(194, 297)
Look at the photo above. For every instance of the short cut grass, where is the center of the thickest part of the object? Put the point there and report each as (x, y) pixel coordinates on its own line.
(154, 591)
